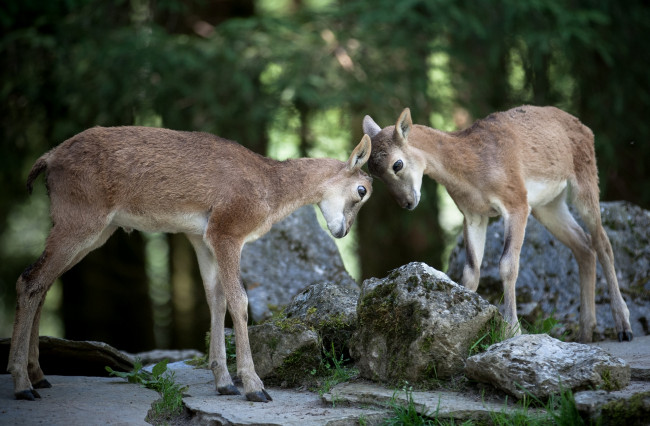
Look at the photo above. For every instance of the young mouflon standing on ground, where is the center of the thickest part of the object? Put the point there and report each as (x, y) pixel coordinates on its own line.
(220, 194)
(510, 163)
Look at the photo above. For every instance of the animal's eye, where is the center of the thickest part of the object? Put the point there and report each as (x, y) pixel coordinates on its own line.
(362, 191)
(398, 166)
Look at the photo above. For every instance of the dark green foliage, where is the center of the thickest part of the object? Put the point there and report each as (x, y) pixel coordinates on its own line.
(69, 65)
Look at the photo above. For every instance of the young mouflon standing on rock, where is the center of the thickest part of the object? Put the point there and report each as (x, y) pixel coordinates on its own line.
(510, 163)
(220, 194)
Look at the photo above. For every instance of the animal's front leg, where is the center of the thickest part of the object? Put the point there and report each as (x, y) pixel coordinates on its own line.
(217, 357)
(217, 302)
(515, 228)
(228, 257)
(474, 229)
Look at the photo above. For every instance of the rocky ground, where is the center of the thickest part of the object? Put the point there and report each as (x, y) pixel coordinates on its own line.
(75, 400)
(395, 325)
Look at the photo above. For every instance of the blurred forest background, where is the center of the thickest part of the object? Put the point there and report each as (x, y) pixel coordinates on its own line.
(291, 78)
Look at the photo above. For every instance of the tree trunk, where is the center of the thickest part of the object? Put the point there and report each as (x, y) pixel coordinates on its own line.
(106, 296)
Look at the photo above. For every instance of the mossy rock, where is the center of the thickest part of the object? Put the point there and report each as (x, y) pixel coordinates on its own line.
(416, 325)
(285, 351)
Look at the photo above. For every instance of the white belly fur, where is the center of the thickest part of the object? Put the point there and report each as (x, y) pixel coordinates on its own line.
(192, 223)
(543, 192)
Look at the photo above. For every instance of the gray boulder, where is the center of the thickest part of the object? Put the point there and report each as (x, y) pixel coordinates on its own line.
(541, 365)
(548, 282)
(630, 406)
(295, 253)
(330, 308)
(284, 351)
(416, 325)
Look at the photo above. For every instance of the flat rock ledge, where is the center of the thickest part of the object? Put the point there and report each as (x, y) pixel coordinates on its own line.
(289, 406)
(346, 404)
(441, 404)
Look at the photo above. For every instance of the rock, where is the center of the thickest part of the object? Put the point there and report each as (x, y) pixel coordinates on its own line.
(636, 353)
(294, 254)
(416, 325)
(630, 406)
(284, 351)
(445, 404)
(84, 400)
(548, 282)
(79, 400)
(74, 358)
(289, 406)
(157, 355)
(329, 308)
(541, 365)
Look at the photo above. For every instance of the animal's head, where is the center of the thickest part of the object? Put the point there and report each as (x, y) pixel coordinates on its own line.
(394, 161)
(347, 191)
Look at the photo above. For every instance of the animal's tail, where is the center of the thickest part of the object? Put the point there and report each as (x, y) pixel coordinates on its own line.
(39, 166)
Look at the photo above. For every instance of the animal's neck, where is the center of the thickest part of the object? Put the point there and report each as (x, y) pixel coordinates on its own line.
(298, 182)
(438, 150)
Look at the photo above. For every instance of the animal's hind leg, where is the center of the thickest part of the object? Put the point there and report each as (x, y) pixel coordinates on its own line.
(26, 307)
(64, 248)
(556, 217)
(586, 199)
(36, 376)
(600, 243)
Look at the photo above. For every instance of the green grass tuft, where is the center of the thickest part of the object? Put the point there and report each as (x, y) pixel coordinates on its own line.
(333, 371)
(170, 404)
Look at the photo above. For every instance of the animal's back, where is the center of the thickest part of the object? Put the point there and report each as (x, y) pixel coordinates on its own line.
(112, 165)
(545, 141)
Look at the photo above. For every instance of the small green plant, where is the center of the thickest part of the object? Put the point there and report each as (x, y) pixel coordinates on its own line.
(170, 403)
(333, 371)
(498, 330)
(562, 408)
(203, 361)
(558, 410)
(609, 383)
(231, 349)
(544, 325)
(521, 416)
(495, 331)
(362, 420)
(137, 375)
(407, 414)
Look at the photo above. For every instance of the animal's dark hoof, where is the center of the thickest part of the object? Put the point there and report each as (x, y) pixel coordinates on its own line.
(228, 390)
(261, 396)
(28, 395)
(42, 384)
(625, 335)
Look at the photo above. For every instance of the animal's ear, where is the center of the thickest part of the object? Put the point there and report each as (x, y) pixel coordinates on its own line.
(370, 127)
(360, 155)
(403, 126)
